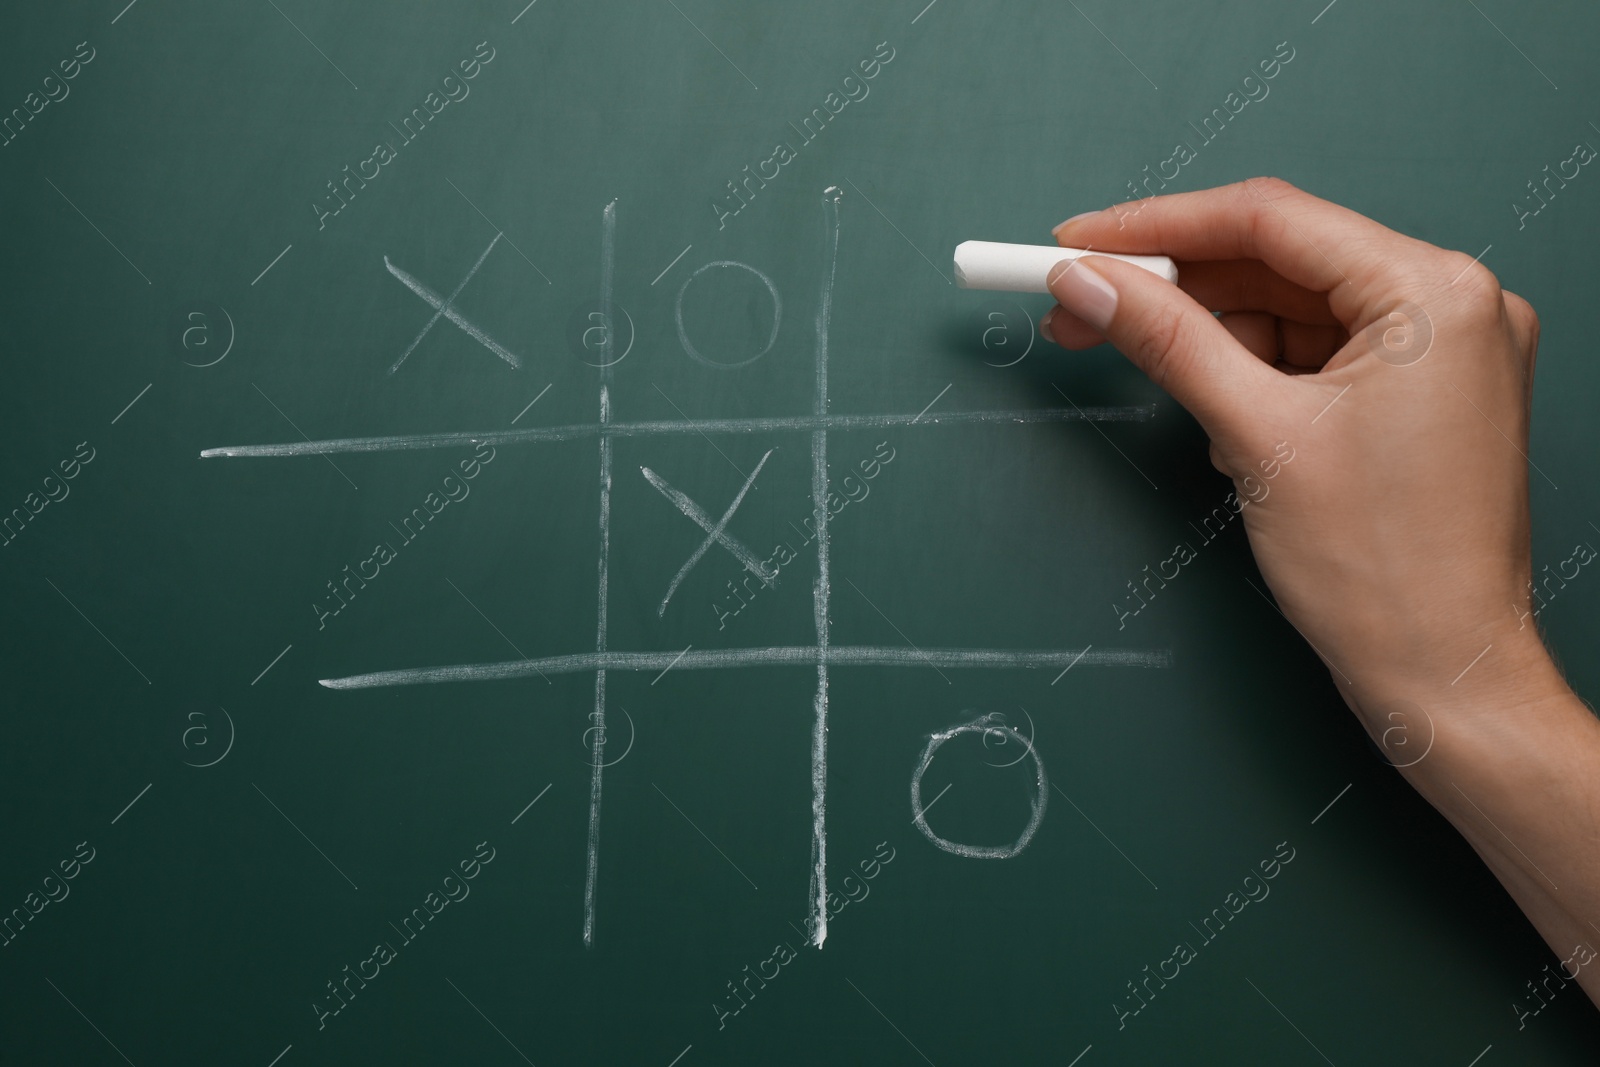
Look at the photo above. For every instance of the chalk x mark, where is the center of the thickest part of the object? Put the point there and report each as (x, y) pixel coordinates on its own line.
(702, 833)
(899, 231)
(1102, 833)
(496, 226)
(778, 656)
(445, 307)
(90, 1021)
(671, 665)
(1286, 1019)
(671, 427)
(531, 803)
(532, 402)
(273, 664)
(1331, 803)
(274, 263)
(890, 1021)
(132, 402)
(485, 1018)
(302, 833)
(101, 232)
(932, 402)
(99, 631)
(131, 803)
(899, 631)
(490, 621)
(713, 44)
(663, 274)
(313, 44)
(302, 433)
(1073, 664)
(716, 533)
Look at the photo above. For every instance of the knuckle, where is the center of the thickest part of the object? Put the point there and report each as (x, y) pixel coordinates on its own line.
(1273, 188)
(1476, 283)
(1522, 313)
(1260, 200)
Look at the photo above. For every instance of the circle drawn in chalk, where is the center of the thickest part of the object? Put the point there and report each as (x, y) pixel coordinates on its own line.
(983, 724)
(588, 332)
(1397, 741)
(997, 339)
(683, 333)
(833, 194)
(193, 744)
(1403, 336)
(632, 734)
(1001, 734)
(197, 334)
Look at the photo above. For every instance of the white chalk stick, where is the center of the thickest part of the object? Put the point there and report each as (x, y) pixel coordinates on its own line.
(1024, 268)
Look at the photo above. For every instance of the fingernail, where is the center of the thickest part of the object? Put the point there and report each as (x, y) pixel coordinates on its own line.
(1085, 293)
(1063, 225)
(1044, 326)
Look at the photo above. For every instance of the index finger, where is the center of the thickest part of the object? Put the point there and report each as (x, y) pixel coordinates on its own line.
(1314, 243)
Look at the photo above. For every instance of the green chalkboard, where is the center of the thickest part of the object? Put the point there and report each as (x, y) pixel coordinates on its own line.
(516, 550)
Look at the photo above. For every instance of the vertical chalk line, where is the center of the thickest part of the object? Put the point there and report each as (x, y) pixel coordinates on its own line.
(608, 233)
(819, 600)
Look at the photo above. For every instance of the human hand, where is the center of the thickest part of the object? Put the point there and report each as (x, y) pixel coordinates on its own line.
(1400, 375)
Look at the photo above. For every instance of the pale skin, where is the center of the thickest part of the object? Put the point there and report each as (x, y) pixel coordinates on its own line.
(1397, 541)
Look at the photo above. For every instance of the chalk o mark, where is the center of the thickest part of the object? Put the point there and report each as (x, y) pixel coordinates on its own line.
(632, 733)
(194, 334)
(589, 333)
(1403, 336)
(1032, 733)
(983, 724)
(683, 333)
(998, 335)
(1396, 741)
(202, 729)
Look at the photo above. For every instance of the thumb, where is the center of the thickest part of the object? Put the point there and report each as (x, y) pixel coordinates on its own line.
(1166, 334)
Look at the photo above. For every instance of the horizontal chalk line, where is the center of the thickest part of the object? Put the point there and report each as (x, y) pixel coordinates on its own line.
(782, 656)
(665, 427)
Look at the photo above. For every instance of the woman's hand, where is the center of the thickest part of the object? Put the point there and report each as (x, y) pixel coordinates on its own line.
(1397, 541)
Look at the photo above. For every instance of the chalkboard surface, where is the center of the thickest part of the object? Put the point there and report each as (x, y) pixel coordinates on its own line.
(516, 550)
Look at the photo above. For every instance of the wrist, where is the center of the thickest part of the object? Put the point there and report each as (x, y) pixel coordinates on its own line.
(1496, 723)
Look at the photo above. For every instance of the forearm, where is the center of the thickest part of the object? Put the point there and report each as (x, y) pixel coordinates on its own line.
(1512, 764)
